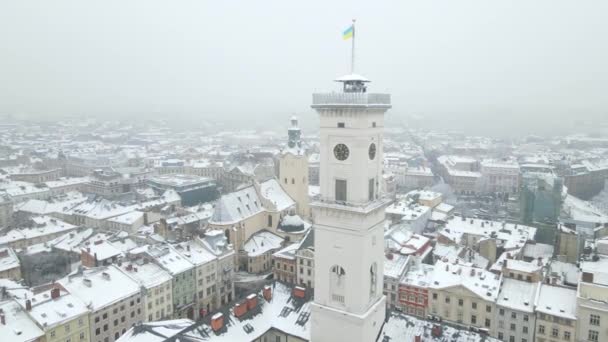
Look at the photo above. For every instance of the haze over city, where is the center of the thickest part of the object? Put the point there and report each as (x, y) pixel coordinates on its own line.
(267, 171)
(454, 65)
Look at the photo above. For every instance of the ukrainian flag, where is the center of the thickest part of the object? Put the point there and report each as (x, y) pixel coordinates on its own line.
(348, 33)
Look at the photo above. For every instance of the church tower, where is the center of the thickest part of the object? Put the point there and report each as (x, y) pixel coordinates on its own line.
(349, 214)
(293, 170)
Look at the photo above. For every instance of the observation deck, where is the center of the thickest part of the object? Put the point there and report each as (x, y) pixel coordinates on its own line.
(354, 100)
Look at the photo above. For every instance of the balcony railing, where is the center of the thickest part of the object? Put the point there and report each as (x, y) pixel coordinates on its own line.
(351, 99)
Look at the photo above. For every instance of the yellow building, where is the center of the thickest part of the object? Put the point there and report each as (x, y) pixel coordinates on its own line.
(61, 316)
(242, 213)
(293, 170)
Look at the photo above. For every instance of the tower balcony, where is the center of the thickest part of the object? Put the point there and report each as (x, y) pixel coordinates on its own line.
(351, 100)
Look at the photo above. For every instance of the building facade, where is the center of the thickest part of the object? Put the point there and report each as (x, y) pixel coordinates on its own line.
(349, 215)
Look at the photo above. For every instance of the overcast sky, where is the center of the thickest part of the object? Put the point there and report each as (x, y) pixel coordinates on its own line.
(487, 62)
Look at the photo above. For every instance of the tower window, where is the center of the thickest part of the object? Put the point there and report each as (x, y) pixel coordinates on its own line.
(370, 195)
(373, 274)
(269, 220)
(337, 284)
(340, 124)
(374, 124)
(341, 190)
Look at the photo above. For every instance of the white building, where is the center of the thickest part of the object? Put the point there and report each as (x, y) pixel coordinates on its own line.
(349, 216)
(515, 315)
(592, 301)
(555, 314)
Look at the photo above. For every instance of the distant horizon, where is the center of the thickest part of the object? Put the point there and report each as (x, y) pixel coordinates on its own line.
(506, 68)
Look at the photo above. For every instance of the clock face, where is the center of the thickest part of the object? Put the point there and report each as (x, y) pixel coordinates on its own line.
(372, 151)
(341, 152)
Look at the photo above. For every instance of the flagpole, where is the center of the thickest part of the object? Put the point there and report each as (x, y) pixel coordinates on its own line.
(352, 62)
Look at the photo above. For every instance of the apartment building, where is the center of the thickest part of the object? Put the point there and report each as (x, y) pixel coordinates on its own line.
(113, 298)
(183, 275)
(414, 290)
(256, 256)
(205, 269)
(592, 301)
(516, 320)
(62, 316)
(157, 286)
(464, 295)
(556, 316)
(217, 243)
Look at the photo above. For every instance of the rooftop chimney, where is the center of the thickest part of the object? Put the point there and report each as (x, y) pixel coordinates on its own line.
(267, 292)
(217, 321)
(28, 305)
(588, 277)
(55, 293)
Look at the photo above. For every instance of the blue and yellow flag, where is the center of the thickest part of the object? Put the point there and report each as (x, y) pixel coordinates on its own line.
(348, 33)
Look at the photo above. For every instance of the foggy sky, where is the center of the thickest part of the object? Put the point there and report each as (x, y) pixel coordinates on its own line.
(509, 63)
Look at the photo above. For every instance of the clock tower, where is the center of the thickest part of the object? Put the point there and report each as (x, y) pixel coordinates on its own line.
(349, 214)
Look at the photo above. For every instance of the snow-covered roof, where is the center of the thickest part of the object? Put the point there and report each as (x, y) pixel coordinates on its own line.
(418, 274)
(483, 283)
(524, 266)
(92, 286)
(283, 313)
(262, 242)
(598, 268)
(395, 265)
(517, 295)
(50, 312)
(155, 331)
(399, 239)
(194, 252)
(43, 225)
(8, 259)
(351, 77)
(168, 258)
(236, 206)
(59, 204)
(273, 192)
(127, 218)
(401, 327)
(19, 326)
(513, 235)
(556, 301)
(148, 275)
(408, 211)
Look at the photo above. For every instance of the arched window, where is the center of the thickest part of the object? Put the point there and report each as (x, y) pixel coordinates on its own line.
(337, 286)
(373, 283)
(293, 181)
(285, 180)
